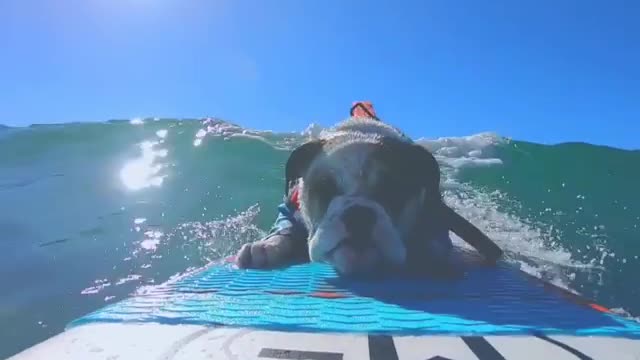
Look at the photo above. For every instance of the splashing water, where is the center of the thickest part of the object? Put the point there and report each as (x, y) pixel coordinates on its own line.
(95, 212)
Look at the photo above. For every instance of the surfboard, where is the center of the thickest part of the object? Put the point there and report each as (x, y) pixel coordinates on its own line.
(308, 311)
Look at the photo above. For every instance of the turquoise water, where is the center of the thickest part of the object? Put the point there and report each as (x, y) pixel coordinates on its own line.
(91, 213)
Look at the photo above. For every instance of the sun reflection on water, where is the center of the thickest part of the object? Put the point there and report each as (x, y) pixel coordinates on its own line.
(145, 171)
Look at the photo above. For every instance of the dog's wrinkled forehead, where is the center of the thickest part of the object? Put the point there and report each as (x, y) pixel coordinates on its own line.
(359, 158)
(351, 162)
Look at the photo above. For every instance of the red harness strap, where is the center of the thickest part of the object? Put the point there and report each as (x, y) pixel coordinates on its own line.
(294, 198)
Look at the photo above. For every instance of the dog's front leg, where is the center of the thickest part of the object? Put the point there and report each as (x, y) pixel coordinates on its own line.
(275, 250)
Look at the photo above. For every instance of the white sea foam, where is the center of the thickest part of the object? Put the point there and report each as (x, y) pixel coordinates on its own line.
(528, 244)
(162, 133)
(215, 127)
(132, 277)
(465, 151)
(312, 131)
(219, 238)
(100, 284)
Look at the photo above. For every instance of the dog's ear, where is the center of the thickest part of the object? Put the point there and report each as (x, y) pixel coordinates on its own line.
(299, 161)
(418, 161)
(412, 167)
(428, 171)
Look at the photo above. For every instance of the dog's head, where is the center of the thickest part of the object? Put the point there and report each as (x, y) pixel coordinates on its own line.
(363, 187)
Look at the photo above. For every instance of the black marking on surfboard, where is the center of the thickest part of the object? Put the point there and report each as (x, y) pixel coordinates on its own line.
(482, 348)
(564, 346)
(382, 347)
(53, 242)
(298, 355)
(438, 358)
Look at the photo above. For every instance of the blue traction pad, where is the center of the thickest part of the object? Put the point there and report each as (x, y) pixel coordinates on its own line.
(313, 298)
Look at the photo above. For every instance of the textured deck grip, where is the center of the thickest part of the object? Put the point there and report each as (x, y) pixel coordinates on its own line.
(313, 298)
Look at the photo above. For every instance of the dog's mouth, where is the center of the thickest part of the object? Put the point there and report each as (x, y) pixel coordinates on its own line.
(348, 242)
(357, 243)
(350, 260)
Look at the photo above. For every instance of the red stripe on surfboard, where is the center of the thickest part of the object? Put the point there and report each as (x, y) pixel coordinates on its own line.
(599, 308)
(575, 298)
(328, 295)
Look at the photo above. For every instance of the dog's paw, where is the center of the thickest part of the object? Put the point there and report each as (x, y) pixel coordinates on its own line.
(270, 252)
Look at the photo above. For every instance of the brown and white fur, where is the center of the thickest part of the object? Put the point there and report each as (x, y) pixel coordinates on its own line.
(369, 198)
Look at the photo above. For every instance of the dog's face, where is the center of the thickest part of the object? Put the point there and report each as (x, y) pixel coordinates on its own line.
(362, 189)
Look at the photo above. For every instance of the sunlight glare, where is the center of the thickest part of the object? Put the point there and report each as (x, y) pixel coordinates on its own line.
(143, 172)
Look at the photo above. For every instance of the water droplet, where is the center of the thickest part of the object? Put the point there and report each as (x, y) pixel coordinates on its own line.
(162, 133)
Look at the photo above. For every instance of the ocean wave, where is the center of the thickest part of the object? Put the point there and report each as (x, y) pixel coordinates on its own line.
(166, 196)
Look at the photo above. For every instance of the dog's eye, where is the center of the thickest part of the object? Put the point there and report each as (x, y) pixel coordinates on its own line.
(393, 191)
(325, 189)
(384, 192)
(326, 186)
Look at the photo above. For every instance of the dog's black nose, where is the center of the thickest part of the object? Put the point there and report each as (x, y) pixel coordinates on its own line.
(359, 221)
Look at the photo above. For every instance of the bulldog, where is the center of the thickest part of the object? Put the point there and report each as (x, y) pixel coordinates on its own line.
(366, 197)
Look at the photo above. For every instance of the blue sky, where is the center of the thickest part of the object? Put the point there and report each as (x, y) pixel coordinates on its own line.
(543, 71)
